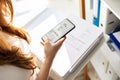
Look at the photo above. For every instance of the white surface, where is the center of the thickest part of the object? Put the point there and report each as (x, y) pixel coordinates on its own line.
(111, 73)
(26, 10)
(113, 58)
(91, 72)
(106, 55)
(114, 6)
(96, 61)
(67, 6)
(106, 18)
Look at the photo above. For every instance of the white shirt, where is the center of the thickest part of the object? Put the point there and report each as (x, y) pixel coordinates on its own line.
(10, 72)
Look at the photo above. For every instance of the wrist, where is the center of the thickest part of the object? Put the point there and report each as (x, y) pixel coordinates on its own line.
(49, 58)
(48, 61)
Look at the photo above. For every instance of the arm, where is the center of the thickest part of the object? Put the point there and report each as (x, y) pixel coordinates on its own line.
(50, 51)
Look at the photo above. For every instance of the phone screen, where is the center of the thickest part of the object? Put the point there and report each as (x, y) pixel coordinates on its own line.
(59, 30)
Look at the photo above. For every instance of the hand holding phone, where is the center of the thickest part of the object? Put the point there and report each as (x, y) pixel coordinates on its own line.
(59, 31)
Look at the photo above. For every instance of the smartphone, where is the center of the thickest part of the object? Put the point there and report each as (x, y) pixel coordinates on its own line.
(59, 31)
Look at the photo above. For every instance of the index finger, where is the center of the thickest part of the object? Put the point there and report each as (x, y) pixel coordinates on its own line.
(59, 42)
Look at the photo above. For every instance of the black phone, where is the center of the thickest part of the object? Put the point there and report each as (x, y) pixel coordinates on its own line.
(59, 31)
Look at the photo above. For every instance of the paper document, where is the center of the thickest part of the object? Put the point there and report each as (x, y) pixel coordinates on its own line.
(76, 46)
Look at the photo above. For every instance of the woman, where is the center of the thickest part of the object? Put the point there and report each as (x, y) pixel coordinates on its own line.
(17, 62)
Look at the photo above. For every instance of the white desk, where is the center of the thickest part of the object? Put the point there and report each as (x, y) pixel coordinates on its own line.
(41, 22)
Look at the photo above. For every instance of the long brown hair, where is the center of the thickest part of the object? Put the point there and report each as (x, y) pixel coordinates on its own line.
(11, 54)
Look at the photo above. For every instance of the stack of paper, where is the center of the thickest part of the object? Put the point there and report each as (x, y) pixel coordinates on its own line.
(76, 47)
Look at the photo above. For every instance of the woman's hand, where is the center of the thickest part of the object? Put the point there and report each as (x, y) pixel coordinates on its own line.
(50, 50)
